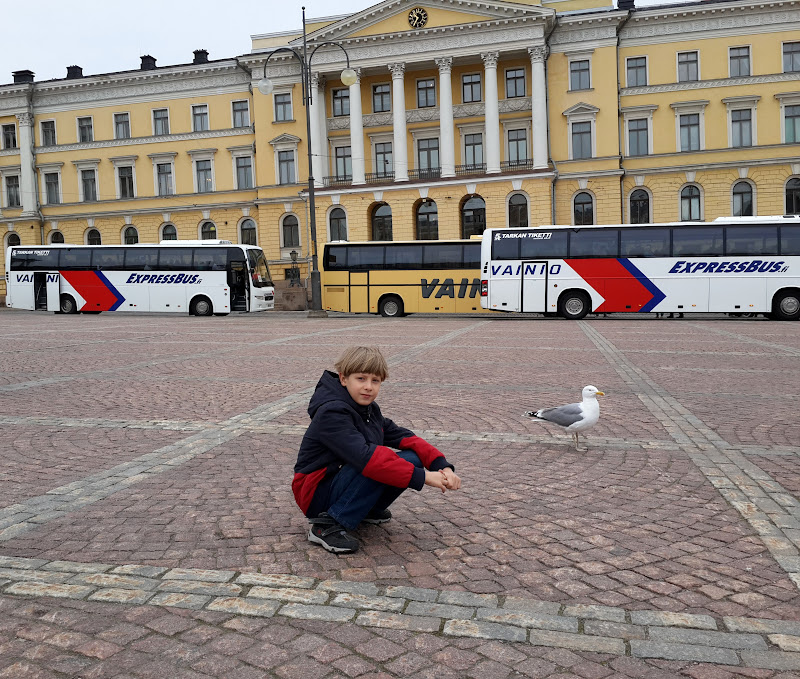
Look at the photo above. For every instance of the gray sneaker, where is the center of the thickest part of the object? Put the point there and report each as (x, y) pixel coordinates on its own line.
(331, 535)
(377, 517)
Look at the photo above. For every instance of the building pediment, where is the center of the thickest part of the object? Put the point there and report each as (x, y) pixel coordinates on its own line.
(285, 139)
(581, 108)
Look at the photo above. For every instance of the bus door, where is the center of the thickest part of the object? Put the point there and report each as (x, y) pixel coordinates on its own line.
(46, 291)
(359, 292)
(237, 281)
(534, 286)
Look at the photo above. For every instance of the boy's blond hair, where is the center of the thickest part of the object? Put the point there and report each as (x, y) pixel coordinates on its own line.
(362, 360)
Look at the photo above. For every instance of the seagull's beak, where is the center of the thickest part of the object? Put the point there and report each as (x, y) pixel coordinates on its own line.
(600, 393)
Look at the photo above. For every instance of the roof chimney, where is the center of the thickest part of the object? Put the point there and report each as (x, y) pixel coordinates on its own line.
(200, 57)
(23, 76)
(74, 72)
(148, 63)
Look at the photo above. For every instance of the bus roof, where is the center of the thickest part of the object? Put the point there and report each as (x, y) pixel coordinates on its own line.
(724, 220)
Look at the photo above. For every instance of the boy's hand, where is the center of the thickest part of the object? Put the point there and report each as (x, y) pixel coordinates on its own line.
(451, 479)
(436, 479)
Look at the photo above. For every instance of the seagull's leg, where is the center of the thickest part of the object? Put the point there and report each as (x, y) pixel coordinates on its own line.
(576, 443)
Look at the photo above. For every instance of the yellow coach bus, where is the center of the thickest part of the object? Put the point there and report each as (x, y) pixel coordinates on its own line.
(405, 277)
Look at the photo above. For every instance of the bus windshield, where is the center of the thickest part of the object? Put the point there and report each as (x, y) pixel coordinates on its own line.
(259, 269)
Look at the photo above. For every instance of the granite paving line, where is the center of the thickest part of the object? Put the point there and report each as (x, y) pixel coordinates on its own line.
(746, 339)
(771, 510)
(22, 517)
(734, 641)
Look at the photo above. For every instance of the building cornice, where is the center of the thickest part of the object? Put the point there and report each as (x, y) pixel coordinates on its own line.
(136, 141)
(708, 84)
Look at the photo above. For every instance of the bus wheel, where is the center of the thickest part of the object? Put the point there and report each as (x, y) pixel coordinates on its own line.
(786, 305)
(391, 306)
(68, 305)
(201, 307)
(574, 305)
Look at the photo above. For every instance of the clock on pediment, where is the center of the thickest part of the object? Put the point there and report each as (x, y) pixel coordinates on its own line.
(417, 17)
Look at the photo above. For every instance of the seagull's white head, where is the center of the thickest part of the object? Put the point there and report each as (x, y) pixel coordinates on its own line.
(590, 391)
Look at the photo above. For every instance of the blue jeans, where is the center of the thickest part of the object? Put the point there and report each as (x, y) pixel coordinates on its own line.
(353, 495)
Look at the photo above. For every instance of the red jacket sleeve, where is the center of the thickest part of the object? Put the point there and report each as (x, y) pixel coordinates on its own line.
(430, 456)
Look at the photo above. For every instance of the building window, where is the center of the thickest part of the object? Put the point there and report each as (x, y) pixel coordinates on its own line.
(383, 159)
(688, 69)
(381, 98)
(583, 209)
(637, 137)
(89, 185)
(12, 191)
(248, 234)
(205, 181)
(690, 204)
(690, 131)
(164, 174)
(791, 57)
(579, 75)
(640, 207)
(741, 127)
(56, 237)
(742, 199)
(200, 118)
(286, 172)
(85, 130)
(48, 133)
(52, 188)
(515, 83)
(244, 172)
(160, 121)
(793, 196)
(130, 236)
(93, 237)
(517, 210)
(517, 146)
(241, 113)
(471, 88)
(344, 165)
(208, 231)
(581, 140)
(12, 239)
(125, 177)
(290, 232)
(428, 154)
(427, 221)
(382, 223)
(283, 108)
(791, 124)
(739, 61)
(169, 232)
(341, 102)
(338, 222)
(426, 93)
(122, 126)
(9, 136)
(473, 150)
(637, 71)
(473, 217)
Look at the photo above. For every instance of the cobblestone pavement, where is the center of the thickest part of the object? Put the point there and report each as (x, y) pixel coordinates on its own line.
(148, 528)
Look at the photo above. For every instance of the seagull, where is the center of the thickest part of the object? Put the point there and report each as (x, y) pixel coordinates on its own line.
(574, 417)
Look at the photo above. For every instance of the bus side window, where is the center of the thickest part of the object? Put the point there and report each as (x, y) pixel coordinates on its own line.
(649, 242)
(108, 259)
(405, 256)
(790, 240)
(141, 259)
(751, 240)
(442, 256)
(75, 259)
(552, 245)
(335, 258)
(594, 243)
(363, 258)
(472, 255)
(210, 259)
(694, 241)
(505, 248)
(175, 259)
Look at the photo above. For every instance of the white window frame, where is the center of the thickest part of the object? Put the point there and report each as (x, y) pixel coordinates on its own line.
(163, 226)
(41, 130)
(239, 227)
(86, 234)
(463, 131)
(372, 95)
(233, 114)
(10, 171)
(81, 165)
(208, 116)
(425, 133)
(753, 193)
(580, 55)
(282, 91)
(50, 168)
(6, 237)
(52, 232)
(638, 113)
(435, 92)
(337, 143)
(287, 145)
(508, 126)
(381, 138)
(786, 99)
(153, 120)
(114, 124)
(124, 228)
(482, 83)
(328, 220)
(510, 195)
(243, 152)
(524, 81)
(286, 249)
(749, 60)
(120, 162)
(649, 203)
(199, 155)
(572, 206)
(582, 115)
(683, 108)
(702, 200)
(745, 103)
(200, 227)
(646, 69)
(678, 67)
(78, 129)
(16, 134)
(163, 159)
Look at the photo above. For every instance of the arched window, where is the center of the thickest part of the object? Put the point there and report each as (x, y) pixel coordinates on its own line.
(640, 207)
(473, 217)
(208, 231)
(518, 210)
(338, 220)
(248, 232)
(291, 232)
(793, 196)
(93, 237)
(12, 239)
(56, 237)
(382, 223)
(169, 232)
(428, 221)
(742, 199)
(130, 236)
(690, 204)
(583, 209)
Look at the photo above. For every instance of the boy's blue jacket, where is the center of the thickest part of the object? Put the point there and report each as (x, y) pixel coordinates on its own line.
(343, 432)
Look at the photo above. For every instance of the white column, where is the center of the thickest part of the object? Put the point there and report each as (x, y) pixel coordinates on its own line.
(319, 140)
(541, 152)
(27, 180)
(446, 126)
(492, 114)
(357, 131)
(400, 143)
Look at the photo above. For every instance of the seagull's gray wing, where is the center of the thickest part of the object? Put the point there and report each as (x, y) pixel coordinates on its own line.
(563, 415)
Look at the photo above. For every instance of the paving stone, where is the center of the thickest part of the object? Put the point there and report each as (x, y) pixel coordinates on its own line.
(521, 619)
(467, 599)
(665, 651)
(311, 612)
(363, 588)
(49, 589)
(115, 581)
(20, 562)
(439, 610)
(412, 623)
(532, 605)
(198, 574)
(716, 639)
(269, 580)
(603, 628)
(483, 630)
(34, 575)
(303, 596)
(121, 596)
(199, 587)
(192, 601)
(577, 642)
(244, 606)
(673, 619)
(76, 567)
(786, 642)
(141, 571)
(375, 602)
(762, 626)
(412, 593)
(773, 660)
(595, 612)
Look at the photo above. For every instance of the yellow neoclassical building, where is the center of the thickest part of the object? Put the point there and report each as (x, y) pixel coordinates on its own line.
(462, 115)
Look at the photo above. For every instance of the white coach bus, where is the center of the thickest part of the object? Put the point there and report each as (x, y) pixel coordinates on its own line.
(198, 277)
(736, 265)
